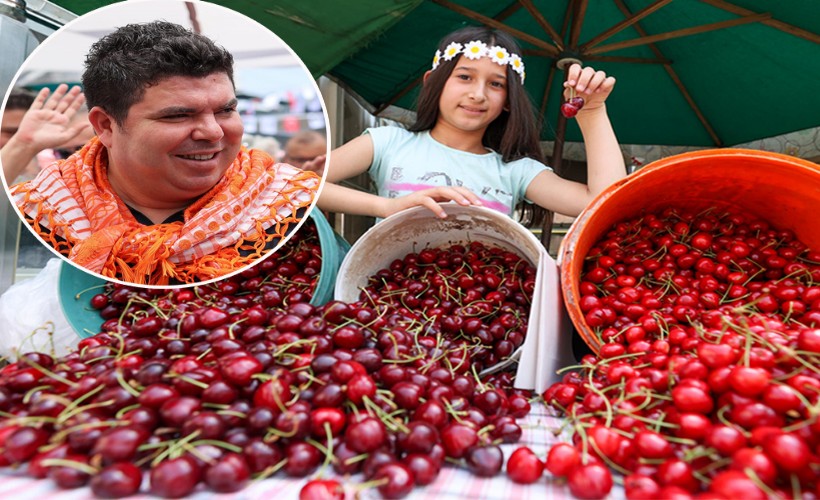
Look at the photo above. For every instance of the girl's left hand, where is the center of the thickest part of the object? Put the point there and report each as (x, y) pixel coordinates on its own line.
(593, 86)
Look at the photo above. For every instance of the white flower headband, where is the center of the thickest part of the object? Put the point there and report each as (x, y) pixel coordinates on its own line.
(477, 49)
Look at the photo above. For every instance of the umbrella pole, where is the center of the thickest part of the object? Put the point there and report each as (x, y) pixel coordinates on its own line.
(557, 159)
(558, 147)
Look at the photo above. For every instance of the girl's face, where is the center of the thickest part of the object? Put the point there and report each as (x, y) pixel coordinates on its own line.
(474, 95)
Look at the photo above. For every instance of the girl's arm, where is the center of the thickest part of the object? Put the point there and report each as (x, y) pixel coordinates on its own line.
(355, 158)
(605, 162)
(350, 159)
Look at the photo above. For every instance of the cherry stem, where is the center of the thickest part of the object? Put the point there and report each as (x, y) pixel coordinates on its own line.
(219, 444)
(795, 482)
(73, 464)
(28, 419)
(126, 409)
(47, 372)
(233, 413)
(608, 460)
(175, 448)
(34, 390)
(198, 454)
(759, 482)
(59, 437)
(721, 415)
(95, 287)
(328, 450)
(273, 469)
(386, 418)
(276, 433)
(125, 385)
(66, 413)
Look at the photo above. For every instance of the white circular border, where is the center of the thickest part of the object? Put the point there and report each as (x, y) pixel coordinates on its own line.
(165, 3)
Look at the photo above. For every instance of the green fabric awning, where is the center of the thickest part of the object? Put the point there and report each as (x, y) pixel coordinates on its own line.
(690, 72)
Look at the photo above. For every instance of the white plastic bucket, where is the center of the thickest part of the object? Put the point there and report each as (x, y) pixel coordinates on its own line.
(548, 344)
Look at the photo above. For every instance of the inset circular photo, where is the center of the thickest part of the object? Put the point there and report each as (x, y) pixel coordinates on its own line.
(152, 150)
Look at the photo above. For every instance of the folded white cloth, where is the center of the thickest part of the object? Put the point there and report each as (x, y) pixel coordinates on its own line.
(32, 319)
(548, 344)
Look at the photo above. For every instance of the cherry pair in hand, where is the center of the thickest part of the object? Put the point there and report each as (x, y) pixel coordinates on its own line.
(572, 106)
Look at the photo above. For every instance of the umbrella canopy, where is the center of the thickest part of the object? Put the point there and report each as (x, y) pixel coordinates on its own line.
(690, 72)
(694, 73)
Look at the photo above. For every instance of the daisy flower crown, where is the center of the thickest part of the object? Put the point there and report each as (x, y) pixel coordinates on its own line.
(477, 49)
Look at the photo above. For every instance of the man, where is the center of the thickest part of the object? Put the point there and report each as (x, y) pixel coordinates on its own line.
(165, 193)
(303, 148)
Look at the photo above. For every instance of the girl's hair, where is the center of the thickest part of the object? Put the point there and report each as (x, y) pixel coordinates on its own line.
(515, 133)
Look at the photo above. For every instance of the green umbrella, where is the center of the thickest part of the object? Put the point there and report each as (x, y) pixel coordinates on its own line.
(690, 72)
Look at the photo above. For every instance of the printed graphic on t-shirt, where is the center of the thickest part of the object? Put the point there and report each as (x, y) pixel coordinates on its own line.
(399, 185)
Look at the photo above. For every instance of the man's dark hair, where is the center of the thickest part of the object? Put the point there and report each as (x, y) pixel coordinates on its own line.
(123, 64)
(20, 98)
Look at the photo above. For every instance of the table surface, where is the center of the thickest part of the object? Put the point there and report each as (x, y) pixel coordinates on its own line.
(539, 433)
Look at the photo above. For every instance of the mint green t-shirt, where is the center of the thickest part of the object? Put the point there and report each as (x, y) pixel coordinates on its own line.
(405, 162)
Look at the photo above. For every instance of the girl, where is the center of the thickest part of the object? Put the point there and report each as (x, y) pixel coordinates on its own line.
(475, 139)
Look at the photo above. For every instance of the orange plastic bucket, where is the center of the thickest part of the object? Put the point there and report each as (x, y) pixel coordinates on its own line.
(780, 189)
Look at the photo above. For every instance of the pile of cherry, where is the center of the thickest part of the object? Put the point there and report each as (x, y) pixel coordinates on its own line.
(213, 386)
(707, 380)
(477, 295)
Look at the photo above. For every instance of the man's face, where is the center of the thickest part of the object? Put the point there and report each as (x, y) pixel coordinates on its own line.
(176, 143)
(11, 121)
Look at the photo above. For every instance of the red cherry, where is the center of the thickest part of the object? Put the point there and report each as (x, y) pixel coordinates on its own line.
(424, 468)
(322, 489)
(736, 484)
(641, 486)
(230, 473)
(176, 477)
(590, 481)
(273, 394)
(569, 110)
(457, 438)
(365, 435)
(562, 459)
(577, 101)
(788, 451)
(484, 460)
(524, 466)
(117, 480)
(395, 480)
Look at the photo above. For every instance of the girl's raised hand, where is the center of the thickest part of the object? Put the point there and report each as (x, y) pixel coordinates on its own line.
(431, 198)
(593, 86)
